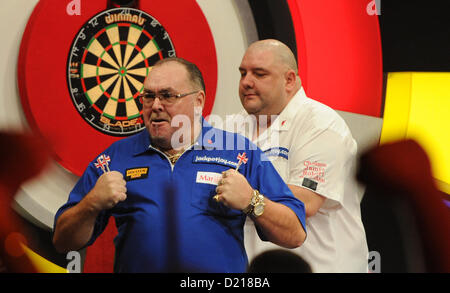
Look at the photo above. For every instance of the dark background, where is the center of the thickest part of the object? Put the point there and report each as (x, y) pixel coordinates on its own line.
(415, 35)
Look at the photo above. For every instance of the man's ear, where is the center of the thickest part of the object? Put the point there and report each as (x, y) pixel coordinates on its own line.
(200, 99)
(290, 78)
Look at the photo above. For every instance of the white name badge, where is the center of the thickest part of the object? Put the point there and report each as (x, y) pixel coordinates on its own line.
(208, 177)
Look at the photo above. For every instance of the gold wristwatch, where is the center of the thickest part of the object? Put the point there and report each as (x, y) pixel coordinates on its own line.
(256, 206)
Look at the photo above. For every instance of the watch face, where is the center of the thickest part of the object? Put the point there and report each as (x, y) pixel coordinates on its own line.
(258, 210)
(109, 59)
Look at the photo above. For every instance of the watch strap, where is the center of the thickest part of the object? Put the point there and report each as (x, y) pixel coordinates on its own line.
(253, 201)
(258, 208)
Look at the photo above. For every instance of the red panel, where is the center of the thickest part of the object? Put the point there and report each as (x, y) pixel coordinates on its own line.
(339, 52)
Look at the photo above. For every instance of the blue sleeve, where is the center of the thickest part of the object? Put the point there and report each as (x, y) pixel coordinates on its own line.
(83, 186)
(263, 176)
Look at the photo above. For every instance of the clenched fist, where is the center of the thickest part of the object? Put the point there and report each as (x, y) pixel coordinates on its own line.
(109, 190)
(234, 190)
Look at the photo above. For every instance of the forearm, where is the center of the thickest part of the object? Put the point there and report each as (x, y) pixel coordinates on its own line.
(280, 225)
(312, 201)
(74, 227)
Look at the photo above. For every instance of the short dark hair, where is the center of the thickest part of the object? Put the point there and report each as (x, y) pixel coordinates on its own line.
(195, 75)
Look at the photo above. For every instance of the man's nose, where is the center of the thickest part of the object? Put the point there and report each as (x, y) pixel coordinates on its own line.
(247, 81)
(157, 105)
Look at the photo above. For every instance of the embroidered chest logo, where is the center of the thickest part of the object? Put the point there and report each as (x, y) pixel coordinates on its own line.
(214, 160)
(136, 173)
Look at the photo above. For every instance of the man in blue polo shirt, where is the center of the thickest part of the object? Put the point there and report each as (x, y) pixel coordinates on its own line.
(180, 191)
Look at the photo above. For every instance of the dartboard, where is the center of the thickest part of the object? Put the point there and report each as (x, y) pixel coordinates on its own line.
(108, 61)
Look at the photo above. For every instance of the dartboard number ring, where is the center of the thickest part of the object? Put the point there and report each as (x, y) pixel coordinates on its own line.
(108, 62)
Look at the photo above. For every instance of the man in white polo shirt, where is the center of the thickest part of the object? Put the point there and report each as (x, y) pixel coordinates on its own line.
(314, 152)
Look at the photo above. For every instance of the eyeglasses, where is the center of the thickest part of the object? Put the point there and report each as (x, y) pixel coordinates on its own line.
(166, 98)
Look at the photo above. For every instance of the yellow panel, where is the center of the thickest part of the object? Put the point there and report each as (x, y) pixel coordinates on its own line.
(397, 107)
(41, 264)
(429, 121)
(417, 106)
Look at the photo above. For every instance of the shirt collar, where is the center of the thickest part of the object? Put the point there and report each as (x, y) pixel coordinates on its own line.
(284, 120)
(142, 142)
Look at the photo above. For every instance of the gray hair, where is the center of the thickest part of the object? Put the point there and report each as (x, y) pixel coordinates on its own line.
(194, 73)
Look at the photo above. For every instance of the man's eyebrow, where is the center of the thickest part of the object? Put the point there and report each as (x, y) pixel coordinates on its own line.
(259, 69)
(253, 69)
(168, 89)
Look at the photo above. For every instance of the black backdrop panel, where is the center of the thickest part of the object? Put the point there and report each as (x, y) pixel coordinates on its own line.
(415, 35)
(273, 21)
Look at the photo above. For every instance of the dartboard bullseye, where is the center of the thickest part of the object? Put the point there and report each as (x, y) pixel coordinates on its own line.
(108, 62)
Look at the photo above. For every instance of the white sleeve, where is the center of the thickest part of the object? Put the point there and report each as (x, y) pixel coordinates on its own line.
(322, 164)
